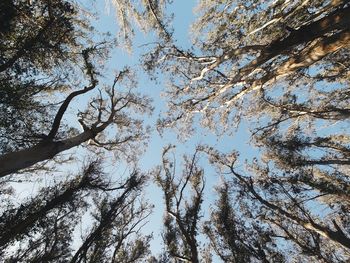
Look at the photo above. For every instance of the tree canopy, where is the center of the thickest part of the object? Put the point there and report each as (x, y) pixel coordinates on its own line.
(277, 69)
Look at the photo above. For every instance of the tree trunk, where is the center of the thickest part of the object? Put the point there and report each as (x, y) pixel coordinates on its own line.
(15, 161)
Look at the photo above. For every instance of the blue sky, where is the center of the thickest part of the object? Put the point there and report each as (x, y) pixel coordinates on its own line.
(184, 16)
(106, 22)
(240, 140)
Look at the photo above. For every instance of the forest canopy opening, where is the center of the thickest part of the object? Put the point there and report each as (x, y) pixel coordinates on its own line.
(244, 135)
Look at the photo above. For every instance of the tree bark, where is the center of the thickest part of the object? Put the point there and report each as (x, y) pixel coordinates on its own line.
(47, 149)
(338, 20)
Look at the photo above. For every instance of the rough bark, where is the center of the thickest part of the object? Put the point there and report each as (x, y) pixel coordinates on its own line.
(48, 148)
(338, 20)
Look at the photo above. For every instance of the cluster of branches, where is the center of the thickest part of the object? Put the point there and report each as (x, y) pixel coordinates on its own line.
(46, 55)
(281, 69)
(220, 82)
(262, 217)
(43, 227)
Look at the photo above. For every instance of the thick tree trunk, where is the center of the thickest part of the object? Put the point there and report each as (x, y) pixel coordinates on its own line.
(319, 50)
(15, 161)
(306, 58)
(338, 20)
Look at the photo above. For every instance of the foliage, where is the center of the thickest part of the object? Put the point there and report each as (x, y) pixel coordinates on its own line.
(105, 110)
(38, 47)
(44, 224)
(182, 214)
(280, 68)
(47, 60)
(148, 15)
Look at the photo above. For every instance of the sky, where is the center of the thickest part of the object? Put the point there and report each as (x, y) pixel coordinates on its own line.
(184, 16)
(240, 140)
(106, 22)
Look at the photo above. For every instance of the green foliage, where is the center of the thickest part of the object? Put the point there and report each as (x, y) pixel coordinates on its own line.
(38, 44)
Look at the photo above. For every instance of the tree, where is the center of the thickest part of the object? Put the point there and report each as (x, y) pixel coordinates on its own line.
(51, 243)
(289, 85)
(280, 68)
(230, 71)
(222, 234)
(287, 209)
(116, 220)
(20, 221)
(45, 55)
(38, 51)
(44, 134)
(93, 125)
(237, 240)
(40, 55)
(44, 225)
(182, 216)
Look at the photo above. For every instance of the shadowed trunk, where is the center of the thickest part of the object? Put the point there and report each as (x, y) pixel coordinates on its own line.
(14, 161)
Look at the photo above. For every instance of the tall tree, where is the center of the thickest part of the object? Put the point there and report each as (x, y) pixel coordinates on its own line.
(281, 68)
(247, 47)
(234, 238)
(182, 215)
(48, 63)
(229, 234)
(44, 225)
(117, 219)
(94, 121)
(49, 57)
(22, 220)
(38, 48)
(289, 209)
